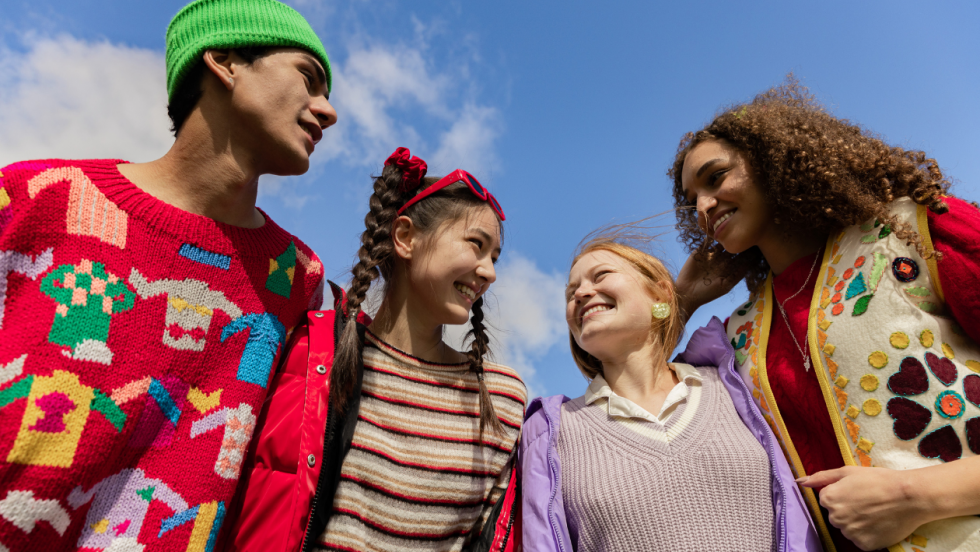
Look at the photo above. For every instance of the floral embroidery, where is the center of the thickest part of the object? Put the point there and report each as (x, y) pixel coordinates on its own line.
(905, 269)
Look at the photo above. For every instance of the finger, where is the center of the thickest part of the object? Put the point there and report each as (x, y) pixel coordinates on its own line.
(822, 479)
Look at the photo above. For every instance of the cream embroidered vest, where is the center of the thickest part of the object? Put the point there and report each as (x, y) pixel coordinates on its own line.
(899, 377)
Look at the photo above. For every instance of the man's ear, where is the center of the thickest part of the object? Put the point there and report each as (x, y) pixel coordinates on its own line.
(403, 235)
(222, 64)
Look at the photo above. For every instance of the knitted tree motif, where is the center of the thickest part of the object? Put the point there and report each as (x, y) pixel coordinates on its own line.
(87, 298)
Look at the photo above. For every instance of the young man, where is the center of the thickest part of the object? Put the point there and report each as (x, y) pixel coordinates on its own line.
(143, 306)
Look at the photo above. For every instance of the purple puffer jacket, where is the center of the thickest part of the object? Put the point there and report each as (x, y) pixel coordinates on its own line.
(545, 528)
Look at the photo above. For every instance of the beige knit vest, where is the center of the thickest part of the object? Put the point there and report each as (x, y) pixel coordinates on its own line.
(896, 373)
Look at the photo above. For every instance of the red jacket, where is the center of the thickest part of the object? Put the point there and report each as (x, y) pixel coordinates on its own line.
(282, 481)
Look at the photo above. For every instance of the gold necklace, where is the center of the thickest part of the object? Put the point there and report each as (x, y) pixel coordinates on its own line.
(806, 343)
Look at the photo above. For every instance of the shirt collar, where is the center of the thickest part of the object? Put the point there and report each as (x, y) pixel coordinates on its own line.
(625, 408)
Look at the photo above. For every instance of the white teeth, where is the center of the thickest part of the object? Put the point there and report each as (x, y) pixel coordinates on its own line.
(596, 308)
(466, 291)
(723, 218)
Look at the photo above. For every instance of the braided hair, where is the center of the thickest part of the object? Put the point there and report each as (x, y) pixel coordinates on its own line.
(376, 260)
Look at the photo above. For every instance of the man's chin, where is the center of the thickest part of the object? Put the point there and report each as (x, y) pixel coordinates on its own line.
(295, 165)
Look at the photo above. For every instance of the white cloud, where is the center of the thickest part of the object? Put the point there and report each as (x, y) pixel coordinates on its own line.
(67, 98)
(469, 142)
(526, 314)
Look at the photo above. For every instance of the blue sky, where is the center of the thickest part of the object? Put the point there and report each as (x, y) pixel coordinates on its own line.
(568, 112)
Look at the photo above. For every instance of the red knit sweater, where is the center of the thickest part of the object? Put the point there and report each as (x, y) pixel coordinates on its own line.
(136, 344)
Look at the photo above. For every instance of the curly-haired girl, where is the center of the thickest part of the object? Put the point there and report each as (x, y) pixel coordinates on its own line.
(859, 338)
(378, 435)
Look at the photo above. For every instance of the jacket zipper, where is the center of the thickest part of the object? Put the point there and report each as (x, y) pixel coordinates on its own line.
(319, 483)
(772, 451)
(510, 525)
(554, 491)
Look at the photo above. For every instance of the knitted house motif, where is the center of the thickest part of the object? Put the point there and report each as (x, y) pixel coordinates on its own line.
(12, 261)
(266, 335)
(158, 422)
(207, 520)
(89, 212)
(58, 408)
(190, 308)
(87, 297)
(119, 506)
(239, 423)
(24, 511)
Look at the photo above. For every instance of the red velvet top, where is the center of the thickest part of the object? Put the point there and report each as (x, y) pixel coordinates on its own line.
(956, 235)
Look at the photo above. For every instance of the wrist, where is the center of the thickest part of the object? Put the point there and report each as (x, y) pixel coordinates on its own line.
(919, 493)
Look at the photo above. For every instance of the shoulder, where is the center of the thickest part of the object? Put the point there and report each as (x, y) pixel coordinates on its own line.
(313, 279)
(505, 380)
(49, 171)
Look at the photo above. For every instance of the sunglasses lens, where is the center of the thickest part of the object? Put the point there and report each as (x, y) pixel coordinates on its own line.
(480, 190)
(495, 205)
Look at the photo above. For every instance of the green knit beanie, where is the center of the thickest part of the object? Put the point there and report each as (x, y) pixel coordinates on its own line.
(206, 24)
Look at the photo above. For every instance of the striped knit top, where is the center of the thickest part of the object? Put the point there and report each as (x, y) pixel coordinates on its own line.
(417, 476)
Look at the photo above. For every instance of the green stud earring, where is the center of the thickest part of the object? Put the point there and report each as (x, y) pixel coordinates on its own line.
(661, 310)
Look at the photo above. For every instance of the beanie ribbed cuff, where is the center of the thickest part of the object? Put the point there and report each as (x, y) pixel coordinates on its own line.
(207, 24)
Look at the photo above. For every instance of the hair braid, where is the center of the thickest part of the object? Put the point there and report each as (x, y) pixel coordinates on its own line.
(478, 348)
(375, 253)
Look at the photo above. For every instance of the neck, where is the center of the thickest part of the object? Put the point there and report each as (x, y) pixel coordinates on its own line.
(642, 376)
(781, 251)
(203, 173)
(405, 329)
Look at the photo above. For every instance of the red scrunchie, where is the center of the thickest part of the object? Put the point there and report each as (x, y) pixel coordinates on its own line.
(413, 168)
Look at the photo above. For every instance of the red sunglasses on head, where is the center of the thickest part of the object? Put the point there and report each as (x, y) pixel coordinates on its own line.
(458, 175)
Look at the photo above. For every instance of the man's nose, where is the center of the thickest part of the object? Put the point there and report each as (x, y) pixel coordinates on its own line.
(325, 114)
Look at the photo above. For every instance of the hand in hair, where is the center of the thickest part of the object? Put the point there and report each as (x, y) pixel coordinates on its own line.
(700, 283)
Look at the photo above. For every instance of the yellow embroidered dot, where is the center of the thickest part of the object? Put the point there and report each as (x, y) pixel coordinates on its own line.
(899, 340)
(926, 338)
(869, 382)
(872, 407)
(973, 365)
(878, 359)
(948, 351)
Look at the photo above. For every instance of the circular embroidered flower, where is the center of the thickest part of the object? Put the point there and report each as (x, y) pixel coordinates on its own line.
(912, 419)
(950, 405)
(905, 269)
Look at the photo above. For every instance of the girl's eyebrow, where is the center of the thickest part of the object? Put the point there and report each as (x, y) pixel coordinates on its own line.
(486, 235)
(708, 165)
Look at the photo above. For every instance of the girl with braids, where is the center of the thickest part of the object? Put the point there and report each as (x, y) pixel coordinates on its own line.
(379, 436)
(860, 339)
(657, 455)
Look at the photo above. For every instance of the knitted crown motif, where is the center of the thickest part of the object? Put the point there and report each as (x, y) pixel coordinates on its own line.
(205, 24)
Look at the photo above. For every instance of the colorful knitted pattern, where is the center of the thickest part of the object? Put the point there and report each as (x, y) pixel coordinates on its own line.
(417, 476)
(136, 344)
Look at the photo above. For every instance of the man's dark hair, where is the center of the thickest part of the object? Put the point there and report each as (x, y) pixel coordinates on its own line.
(189, 92)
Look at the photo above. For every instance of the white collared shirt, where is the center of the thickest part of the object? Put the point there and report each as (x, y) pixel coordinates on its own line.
(634, 416)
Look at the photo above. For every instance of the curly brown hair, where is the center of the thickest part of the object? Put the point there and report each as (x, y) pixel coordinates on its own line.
(817, 171)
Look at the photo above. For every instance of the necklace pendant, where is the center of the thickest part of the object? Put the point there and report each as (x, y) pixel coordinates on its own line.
(806, 364)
